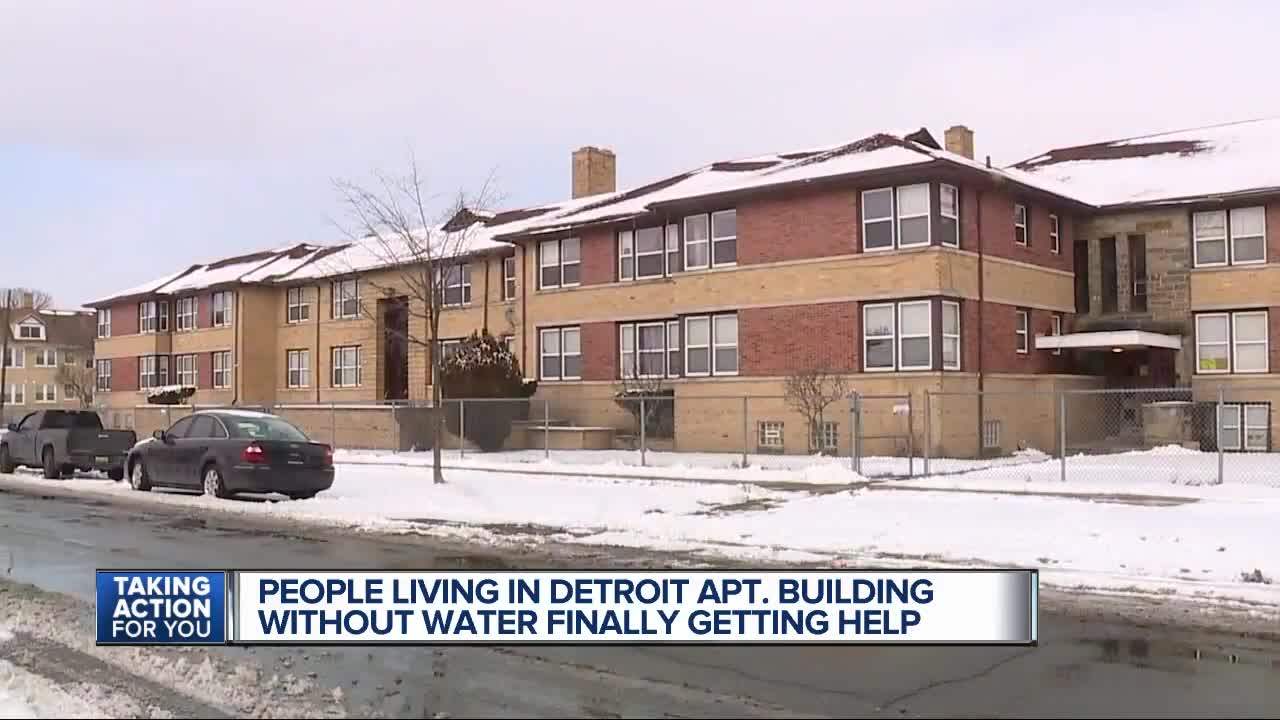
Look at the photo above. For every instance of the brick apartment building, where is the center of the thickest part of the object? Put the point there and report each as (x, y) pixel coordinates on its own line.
(900, 261)
(43, 341)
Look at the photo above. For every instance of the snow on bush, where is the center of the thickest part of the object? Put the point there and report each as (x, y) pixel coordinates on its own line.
(170, 394)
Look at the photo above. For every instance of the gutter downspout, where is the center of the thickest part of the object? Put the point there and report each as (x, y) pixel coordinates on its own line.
(239, 345)
(524, 309)
(982, 349)
(315, 377)
(485, 325)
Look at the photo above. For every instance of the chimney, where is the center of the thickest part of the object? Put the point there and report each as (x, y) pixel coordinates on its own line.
(595, 171)
(959, 140)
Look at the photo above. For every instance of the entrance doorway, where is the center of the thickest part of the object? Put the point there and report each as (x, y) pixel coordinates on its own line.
(395, 348)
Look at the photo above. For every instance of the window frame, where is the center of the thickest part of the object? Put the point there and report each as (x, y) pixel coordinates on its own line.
(153, 371)
(228, 313)
(147, 317)
(716, 240)
(1022, 336)
(509, 272)
(892, 337)
(1225, 342)
(226, 370)
(898, 217)
(43, 354)
(340, 365)
(1197, 240)
(1238, 411)
(162, 316)
(1055, 329)
(1246, 426)
(297, 306)
(11, 395)
(826, 430)
(1265, 342)
(1055, 237)
(559, 264)
(1024, 224)
(944, 335)
(16, 357)
(188, 309)
(297, 364)
(1232, 237)
(339, 297)
(98, 383)
(943, 188)
(688, 347)
(902, 336)
(46, 393)
(179, 372)
(767, 431)
(25, 325)
(705, 242)
(104, 322)
(462, 272)
(891, 219)
(560, 354)
(717, 346)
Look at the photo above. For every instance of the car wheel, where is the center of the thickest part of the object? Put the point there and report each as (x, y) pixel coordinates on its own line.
(51, 470)
(138, 478)
(6, 462)
(213, 484)
(301, 496)
(116, 474)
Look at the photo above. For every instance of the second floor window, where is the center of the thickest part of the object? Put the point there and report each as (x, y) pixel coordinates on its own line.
(560, 353)
(46, 358)
(949, 212)
(46, 393)
(103, 368)
(186, 319)
(184, 369)
(222, 369)
(153, 371)
(1055, 239)
(104, 323)
(298, 368)
(346, 366)
(1237, 237)
(15, 357)
(895, 217)
(297, 308)
(1055, 329)
(711, 240)
(711, 345)
(222, 308)
(16, 394)
(649, 349)
(346, 298)
(559, 263)
(456, 285)
(1022, 330)
(146, 317)
(509, 278)
(1021, 235)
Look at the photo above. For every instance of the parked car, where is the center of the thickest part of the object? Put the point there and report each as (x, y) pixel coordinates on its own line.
(224, 452)
(62, 441)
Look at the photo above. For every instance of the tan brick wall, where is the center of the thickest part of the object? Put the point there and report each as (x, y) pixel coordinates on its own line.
(259, 353)
(1243, 286)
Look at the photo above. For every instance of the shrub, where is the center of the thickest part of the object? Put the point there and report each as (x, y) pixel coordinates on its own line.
(659, 406)
(170, 394)
(482, 368)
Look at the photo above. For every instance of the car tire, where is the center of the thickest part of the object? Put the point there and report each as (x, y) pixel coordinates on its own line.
(51, 469)
(139, 479)
(67, 471)
(116, 474)
(302, 496)
(6, 462)
(212, 483)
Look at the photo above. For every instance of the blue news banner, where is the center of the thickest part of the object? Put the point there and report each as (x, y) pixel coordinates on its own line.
(333, 607)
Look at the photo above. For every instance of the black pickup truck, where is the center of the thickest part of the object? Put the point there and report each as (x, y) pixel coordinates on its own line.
(62, 441)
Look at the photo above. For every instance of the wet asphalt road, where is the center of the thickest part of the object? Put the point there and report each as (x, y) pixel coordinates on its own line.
(1083, 667)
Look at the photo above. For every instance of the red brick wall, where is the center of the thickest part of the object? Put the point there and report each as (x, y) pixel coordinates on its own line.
(124, 321)
(1273, 336)
(798, 225)
(781, 340)
(997, 227)
(599, 351)
(204, 310)
(124, 370)
(204, 370)
(999, 342)
(598, 255)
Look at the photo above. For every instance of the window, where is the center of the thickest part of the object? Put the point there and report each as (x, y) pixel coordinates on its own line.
(509, 278)
(46, 358)
(1248, 236)
(297, 307)
(447, 350)
(509, 342)
(1110, 281)
(46, 393)
(104, 323)
(30, 331)
(725, 338)
(950, 335)
(1055, 241)
(1138, 272)
(643, 350)
(456, 285)
(561, 353)
(222, 369)
(1209, 233)
(949, 212)
(697, 238)
(187, 313)
(104, 375)
(1213, 343)
(298, 368)
(69, 358)
(878, 337)
(559, 263)
(915, 336)
(146, 317)
(162, 316)
(346, 298)
(184, 369)
(697, 346)
(1055, 329)
(17, 394)
(346, 366)
(153, 371)
(69, 390)
(626, 255)
(913, 215)
(1246, 228)
(826, 436)
(673, 348)
(877, 219)
(1021, 323)
(673, 248)
(990, 434)
(724, 238)
(770, 435)
(711, 345)
(1249, 342)
(1020, 234)
(1257, 427)
(641, 254)
(222, 305)
(1232, 342)
(15, 357)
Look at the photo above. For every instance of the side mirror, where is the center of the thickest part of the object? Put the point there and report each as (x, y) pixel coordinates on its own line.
(160, 435)
(13, 427)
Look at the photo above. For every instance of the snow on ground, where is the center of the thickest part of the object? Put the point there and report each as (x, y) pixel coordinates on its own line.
(26, 695)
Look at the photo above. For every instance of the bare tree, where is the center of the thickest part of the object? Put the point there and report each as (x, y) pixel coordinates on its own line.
(810, 392)
(15, 303)
(631, 388)
(78, 382)
(390, 221)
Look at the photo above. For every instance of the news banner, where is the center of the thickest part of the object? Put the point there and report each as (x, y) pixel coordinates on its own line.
(332, 607)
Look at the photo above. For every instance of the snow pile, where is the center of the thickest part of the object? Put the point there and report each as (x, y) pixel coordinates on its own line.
(163, 390)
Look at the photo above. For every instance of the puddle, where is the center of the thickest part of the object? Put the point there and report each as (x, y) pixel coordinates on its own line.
(1178, 656)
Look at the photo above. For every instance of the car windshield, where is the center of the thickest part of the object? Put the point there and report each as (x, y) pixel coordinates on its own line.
(262, 428)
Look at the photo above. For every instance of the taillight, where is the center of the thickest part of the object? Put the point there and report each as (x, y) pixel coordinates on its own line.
(328, 456)
(254, 454)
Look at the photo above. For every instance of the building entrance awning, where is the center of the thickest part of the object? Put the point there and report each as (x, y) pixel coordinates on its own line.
(1109, 340)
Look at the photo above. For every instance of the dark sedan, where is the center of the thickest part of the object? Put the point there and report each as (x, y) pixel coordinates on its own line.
(224, 452)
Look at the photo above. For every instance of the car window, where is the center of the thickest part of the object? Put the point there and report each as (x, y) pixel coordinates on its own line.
(262, 428)
(28, 422)
(179, 429)
(201, 427)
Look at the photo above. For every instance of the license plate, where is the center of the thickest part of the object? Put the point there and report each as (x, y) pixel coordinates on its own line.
(102, 459)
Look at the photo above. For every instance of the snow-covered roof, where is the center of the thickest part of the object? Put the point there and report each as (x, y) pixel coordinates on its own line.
(1168, 167)
(372, 252)
(143, 289)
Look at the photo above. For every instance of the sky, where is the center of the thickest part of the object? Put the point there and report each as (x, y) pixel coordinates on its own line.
(137, 138)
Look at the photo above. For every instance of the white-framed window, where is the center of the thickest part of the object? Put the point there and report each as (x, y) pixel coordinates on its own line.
(641, 254)
(626, 255)
(1055, 329)
(697, 346)
(1249, 342)
(46, 393)
(1021, 235)
(950, 335)
(1248, 235)
(1213, 343)
(769, 435)
(877, 219)
(990, 434)
(697, 242)
(298, 368)
(46, 357)
(104, 323)
(725, 339)
(297, 307)
(30, 331)
(153, 371)
(673, 248)
(103, 368)
(1236, 342)
(949, 214)
(1021, 330)
(827, 436)
(187, 308)
(724, 238)
(456, 285)
(222, 308)
(1209, 238)
(346, 298)
(711, 345)
(509, 278)
(16, 394)
(878, 324)
(643, 349)
(1257, 427)
(673, 348)
(147, 317)
(162, 316)
(222, 369)
(15, 357)
(1055, 240)
(1244, 427)
(560, 353)
(915, 335)
(184, 369)
(559, 263)
(346, 366)
(913, 215)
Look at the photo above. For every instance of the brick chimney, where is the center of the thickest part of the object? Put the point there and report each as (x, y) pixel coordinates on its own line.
(595, 171)
(959, 140)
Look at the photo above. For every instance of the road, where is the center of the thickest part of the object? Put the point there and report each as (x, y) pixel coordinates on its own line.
(1087, 663)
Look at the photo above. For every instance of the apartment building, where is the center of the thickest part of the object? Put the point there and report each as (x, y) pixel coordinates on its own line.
(43, 342)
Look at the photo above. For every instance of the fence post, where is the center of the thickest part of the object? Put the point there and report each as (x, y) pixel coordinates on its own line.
(857, 432)
(462, 429)
(643, 417)
(1217, 420)
(746, 432)
(546, 428)
(928, 430)
(911, 434)
(1062, 435)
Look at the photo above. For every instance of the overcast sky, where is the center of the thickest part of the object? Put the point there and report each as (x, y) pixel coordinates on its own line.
(139, 137)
